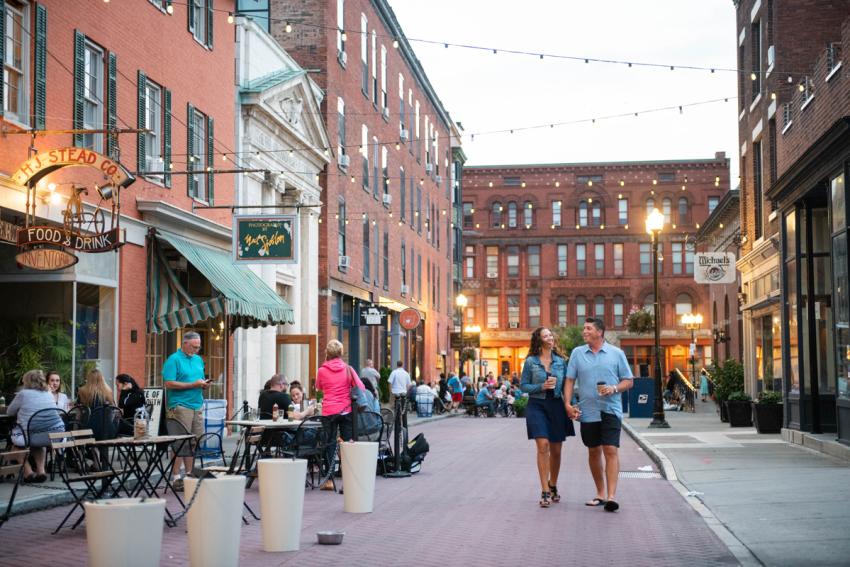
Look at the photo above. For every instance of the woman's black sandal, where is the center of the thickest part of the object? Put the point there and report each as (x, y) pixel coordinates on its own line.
(555, 496)
(545, 499)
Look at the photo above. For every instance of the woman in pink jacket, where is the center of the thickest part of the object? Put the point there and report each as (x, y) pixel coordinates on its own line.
(335, 378)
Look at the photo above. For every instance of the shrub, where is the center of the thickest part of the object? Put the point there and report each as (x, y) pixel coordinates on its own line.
(770, 397)
(568, 338)
(519, 405)
(640, 321)
(384, 385)
(728, 378)
(739, 397)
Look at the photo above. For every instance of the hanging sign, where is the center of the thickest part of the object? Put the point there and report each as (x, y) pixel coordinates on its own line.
(8, 232)
(46, 258)
(103, 242)
(269, 238)
(409, 319)
(372, 315)
(715, 268)
(32, 170)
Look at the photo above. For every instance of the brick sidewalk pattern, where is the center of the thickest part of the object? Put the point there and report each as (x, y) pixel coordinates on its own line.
(474, 503)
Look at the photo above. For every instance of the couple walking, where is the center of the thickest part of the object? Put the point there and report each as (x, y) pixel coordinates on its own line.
(597, 372)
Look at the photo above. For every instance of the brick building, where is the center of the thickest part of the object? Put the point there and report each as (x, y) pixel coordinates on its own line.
(795, 144)
(386, 239)
(553, 244)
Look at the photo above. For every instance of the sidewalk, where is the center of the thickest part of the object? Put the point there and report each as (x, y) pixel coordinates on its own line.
(474, 503)
(779, 503)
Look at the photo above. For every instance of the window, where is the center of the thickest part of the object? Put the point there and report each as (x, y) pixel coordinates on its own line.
(596, 213)
(376, 155)
(757, 190)
(341, 222)
(599, 307)
(562, 260)
(366, 254)
(384, 101)
(649, 303)
(496, 215)
(258, 10)
(581, 260)
(403, 264)
(492, 312)
(340, 111)
(151, 105)
(561, 316)
(511, 181)
(533, 311)
(201, 21)
(755, 36)
(623, 211)
(385, 171)
(527, 214)
(689, 257)
(419, 209)
(666, 177)
(618, 310)
(556, 213)
(93, 96)
(512, 215)
(588, 180)
(200, 145)
(666, 208)
(340, 26)
(599, 256)
(421, 294)
(374, 68)
(513, 310)
(645, 259)
(364, 151)
(684, 211)
(712, 204)
(376, 248)
(364, 55)
(582, 214)
(581, 308)
(15, 52)
(402, 189)
(683, 305)
(492, 261)
(469, 262)
(512, 253)
(533, 261)
(618, 259)
(650, 204)
(678, 257)
(386, 260)
(401, 105)
(412, 201)
(467, 215)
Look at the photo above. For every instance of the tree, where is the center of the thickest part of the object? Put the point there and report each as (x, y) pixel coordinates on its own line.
(567, 338)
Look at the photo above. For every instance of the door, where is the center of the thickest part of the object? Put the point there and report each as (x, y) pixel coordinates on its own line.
(297, 357)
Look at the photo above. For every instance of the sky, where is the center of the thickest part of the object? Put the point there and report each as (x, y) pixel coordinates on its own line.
(486, 91)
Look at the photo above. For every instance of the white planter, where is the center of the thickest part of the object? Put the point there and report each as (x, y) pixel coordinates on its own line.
(115, 528)
(282, 502)
(359, 467)
(215, 520)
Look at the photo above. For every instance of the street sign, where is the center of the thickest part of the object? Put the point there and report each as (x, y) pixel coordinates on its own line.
(470, 340)
(715, 268)
(372, 315)
(409, 319)
(265, 238)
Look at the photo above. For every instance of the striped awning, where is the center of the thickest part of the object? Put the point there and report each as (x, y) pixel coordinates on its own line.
(244, 298)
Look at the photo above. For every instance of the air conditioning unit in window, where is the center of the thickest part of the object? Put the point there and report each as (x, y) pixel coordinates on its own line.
(405, 289)
(343, 57)
(562, 273)
(405, 135)
(438, 179)
(344, 261)
(343, 160)
(514, 324)
(492, 275)
(388, 199)
(429, 167)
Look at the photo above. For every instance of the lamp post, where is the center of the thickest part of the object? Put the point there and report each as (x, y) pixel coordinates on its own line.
(461, 301)
(692, 322)
(654, 224)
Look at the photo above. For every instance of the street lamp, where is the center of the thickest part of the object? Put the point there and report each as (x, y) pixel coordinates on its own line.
(461, 301)
(654, 224)
(692, 322)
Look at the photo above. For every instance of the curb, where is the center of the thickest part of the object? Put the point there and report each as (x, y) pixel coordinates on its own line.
(737, 547)
(442, 416)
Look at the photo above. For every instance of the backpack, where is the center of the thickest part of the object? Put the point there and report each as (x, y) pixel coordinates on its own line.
(414, 453)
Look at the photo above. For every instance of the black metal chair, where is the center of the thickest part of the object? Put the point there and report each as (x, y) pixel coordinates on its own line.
(78, 418)
(315, 441)
(12, 465)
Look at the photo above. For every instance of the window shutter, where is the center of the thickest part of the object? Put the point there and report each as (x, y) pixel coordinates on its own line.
(210, 160)
(2, 53)
(166, 138)
(189, 9)
(40, 85)
(210, 16)
(190, 141)
(141, 120)
(79, 83)
(112, 106)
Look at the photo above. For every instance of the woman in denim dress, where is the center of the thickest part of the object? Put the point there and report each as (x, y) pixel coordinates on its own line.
(546, 417)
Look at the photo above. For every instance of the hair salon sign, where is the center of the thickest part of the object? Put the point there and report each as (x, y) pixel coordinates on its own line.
(715, 268)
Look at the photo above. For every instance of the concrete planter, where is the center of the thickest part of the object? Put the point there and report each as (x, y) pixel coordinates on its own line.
(767, 417)
(740, 413)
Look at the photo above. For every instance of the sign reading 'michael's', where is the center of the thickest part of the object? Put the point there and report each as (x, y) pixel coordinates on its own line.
(715, 268)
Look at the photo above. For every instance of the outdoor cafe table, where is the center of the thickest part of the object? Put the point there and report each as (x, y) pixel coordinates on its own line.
(247, 425)
(152, 450)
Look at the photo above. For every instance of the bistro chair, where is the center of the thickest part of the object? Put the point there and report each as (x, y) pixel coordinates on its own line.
(78, 418)
(245, 465)
(12, 466)
(315, 441)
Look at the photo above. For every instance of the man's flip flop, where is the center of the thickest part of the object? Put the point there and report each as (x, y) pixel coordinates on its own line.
(595, 502)
(611, 506)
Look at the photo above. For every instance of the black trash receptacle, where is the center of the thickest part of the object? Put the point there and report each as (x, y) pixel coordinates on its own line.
(642, 397)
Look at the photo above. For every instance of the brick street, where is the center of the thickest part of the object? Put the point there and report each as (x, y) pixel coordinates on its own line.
(474, 503)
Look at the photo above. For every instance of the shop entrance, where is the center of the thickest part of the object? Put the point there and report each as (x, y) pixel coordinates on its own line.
(297, 357)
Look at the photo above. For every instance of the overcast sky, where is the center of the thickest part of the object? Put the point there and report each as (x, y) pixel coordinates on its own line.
(486, 91)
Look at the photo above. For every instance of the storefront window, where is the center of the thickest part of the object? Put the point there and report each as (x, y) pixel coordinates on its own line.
(841, 312)
(791, 304)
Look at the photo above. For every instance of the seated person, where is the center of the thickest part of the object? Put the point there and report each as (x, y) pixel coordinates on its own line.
(425, 398)
(32, 397)
(298, 400)
(486, 399)
(276, 394)
(374, 403)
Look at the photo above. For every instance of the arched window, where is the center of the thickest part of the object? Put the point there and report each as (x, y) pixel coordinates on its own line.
(582, 213)
(527, 214)
(649, 302)
(496, 214)
(650, 204)
(597, 213)
(618, 310)
(599, 307)
(511, 215)
(683, 305)
(581, 309)
(684, 211)
(667, 206)
(562, 311)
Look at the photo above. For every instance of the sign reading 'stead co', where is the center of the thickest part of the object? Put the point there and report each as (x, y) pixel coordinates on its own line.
(266, 238)
(715, 268)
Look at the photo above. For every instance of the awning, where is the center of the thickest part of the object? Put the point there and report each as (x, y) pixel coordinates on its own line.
(245, 299)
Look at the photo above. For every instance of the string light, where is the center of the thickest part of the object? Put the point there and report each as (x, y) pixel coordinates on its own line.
(344, 36)
(288, 27)
(395, 44)
(229, 18)
(169, 9)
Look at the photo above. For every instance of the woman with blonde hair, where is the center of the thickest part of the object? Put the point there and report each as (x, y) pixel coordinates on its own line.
(32, 397)
(95, 392)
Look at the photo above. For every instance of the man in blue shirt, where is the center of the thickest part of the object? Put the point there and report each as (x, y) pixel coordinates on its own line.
(456, 388)
(599, 372)
(184, 380)
(485, 399)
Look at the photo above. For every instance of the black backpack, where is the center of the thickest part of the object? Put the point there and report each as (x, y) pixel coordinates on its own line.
(414, 453)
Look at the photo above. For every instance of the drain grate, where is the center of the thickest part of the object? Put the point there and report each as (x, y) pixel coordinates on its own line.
(639, 474)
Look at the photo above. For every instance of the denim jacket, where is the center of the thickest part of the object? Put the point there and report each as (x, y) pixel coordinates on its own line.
(534, 374)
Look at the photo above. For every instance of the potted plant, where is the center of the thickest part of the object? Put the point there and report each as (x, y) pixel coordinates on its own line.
(767, 412)
(640, 320)
(739, 406)
(519, 406)
(728, 378)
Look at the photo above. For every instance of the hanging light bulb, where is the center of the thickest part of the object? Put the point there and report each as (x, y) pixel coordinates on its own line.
(229, 18)
(557, 184)
(753, 76)
(395, 44)
(344, 36)
(288, 27)
(169, 9)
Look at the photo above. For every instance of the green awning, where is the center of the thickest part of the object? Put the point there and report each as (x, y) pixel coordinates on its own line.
(245, 299)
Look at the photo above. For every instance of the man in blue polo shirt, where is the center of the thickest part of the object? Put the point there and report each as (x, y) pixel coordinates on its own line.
(599, 373)
(485, 399)
(183, 377)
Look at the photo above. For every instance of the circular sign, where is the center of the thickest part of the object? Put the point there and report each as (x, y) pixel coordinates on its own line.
(46, 258)
(409, 318)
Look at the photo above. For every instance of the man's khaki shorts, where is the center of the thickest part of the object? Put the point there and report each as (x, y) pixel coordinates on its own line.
(188, 420)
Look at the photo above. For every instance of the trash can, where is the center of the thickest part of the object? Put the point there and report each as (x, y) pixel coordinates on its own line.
(642, 397)
(359, 466)
(282, 502)
(115, 526)
(215, 413)
(215, 520)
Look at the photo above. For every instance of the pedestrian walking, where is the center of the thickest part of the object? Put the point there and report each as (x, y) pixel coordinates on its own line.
(456, 388)
(369, 373)
(598, 371)
(400, 383)
(546, 417)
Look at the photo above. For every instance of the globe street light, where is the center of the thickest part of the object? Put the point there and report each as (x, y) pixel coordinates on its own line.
(654, 224)
(692, 322)
(461, 301)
